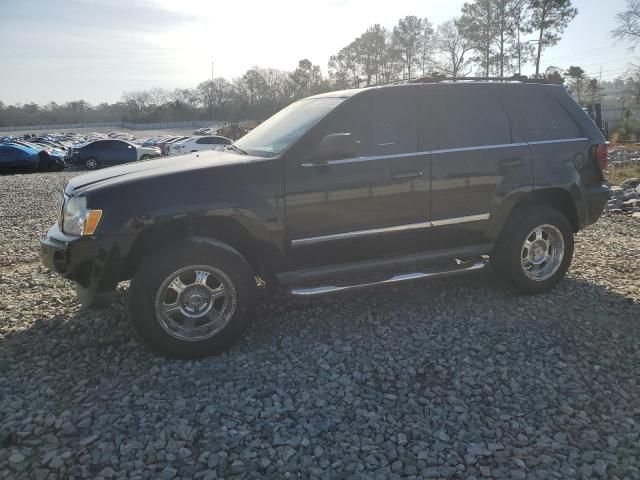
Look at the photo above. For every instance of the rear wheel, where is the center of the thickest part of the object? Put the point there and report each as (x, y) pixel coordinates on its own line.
(192, 299)
(91, 163)
(534, 251)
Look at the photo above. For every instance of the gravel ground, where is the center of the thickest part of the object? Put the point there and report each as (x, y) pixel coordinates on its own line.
(445, 379)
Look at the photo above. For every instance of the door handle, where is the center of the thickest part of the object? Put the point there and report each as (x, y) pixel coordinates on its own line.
(405, 175)
(511, 162)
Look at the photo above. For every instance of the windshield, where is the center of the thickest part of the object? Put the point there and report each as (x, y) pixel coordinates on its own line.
(285, 127)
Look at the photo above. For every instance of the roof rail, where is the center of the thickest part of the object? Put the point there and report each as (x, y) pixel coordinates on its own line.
(439, 78)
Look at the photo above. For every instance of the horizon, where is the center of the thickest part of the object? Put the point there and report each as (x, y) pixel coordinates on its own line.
(98, 50)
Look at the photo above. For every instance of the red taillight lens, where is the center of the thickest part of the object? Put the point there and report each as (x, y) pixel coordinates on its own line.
(602, 155)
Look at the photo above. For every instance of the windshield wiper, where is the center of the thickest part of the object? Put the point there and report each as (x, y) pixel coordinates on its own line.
(237, 149)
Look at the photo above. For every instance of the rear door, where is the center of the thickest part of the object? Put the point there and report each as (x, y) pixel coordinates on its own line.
(369, 206)
(558, 144)
(478, 157)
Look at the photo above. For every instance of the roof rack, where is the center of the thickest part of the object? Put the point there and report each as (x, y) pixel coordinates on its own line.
(439, 78)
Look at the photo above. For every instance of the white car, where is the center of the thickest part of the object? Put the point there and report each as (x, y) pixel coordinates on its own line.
(144, 153)
(197, 144)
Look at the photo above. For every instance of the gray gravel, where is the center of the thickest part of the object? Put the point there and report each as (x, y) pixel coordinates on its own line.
(445, 379)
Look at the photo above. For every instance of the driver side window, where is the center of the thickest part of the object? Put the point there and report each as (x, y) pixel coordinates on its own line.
(354, 117)
(382, 122)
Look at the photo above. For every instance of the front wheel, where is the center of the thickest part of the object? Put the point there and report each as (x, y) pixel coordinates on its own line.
(534, 251)
(192, 299)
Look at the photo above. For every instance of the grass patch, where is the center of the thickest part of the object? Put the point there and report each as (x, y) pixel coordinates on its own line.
(616, 174)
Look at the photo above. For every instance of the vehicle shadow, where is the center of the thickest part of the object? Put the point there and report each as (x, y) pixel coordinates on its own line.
(475, 301)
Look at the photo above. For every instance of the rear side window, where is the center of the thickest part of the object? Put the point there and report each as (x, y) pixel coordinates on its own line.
(462, 117)
(543, 115)
(204, 141)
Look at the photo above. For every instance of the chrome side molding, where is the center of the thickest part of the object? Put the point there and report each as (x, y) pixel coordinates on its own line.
(300, 242)
(358, 233)
(369, 158)
(456, 220)
(464, 267)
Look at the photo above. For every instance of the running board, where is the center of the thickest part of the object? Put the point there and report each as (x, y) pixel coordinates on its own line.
(462, 267)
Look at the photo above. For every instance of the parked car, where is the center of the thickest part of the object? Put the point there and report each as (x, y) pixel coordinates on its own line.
(54, 162)
(110, 152)
(198, 144)
(166, 144)
(14, 157)
(337, 192)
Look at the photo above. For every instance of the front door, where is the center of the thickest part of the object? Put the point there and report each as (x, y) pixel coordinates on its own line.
(372, 205)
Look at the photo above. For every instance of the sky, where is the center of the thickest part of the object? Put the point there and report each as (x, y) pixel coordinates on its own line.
(61, 50)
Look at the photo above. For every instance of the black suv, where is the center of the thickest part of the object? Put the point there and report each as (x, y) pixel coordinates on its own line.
(338, 191)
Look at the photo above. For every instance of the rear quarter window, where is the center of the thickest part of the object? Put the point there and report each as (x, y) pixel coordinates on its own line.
(543, 115)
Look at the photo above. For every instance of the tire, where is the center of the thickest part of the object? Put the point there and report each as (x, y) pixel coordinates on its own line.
(218, 317)
(145, 157)
(91, 163)
(537, 266)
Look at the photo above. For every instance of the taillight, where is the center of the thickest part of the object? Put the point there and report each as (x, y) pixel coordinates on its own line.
(602, 151)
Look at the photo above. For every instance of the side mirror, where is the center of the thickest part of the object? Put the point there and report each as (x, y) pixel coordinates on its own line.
(336, 146)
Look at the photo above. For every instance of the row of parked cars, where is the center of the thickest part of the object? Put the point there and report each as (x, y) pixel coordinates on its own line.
(42, 153)
(179, 145)
(51, 152)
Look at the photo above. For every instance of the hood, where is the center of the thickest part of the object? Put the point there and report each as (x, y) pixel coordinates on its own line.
(157, 167)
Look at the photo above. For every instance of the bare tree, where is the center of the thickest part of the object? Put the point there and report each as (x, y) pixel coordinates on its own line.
(454, 48)
(427, 46)
(307, 78)
(549, 18)
(407, 38)
(343, 67)
(632, 83)
(628, 23)
(370, 48)
(477, 25)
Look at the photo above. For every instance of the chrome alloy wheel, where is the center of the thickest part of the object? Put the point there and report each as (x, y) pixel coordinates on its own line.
(92, 164)
(542, 252)
(195, 303)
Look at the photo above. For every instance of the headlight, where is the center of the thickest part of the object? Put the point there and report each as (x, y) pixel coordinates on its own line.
(77, 220)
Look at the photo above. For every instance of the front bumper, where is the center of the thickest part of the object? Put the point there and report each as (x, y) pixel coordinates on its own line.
(95, 264)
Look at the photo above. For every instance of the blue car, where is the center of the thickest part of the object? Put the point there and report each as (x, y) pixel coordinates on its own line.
(20, 157)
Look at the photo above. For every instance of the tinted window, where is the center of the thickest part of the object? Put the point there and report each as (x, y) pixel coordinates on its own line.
(456, 116)
(204, 141)
(220, 141)
(382, 121)
(100, 144)
(395, 128)
(543, 115)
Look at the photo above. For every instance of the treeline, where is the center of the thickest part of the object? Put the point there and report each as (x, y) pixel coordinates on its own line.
(488, 38)
(259, 93)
